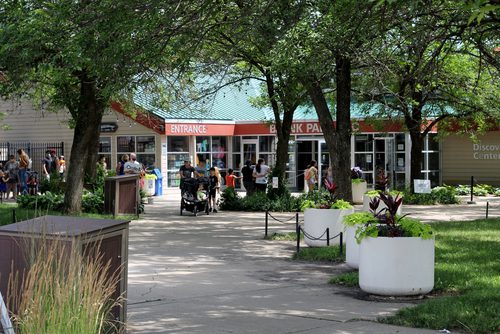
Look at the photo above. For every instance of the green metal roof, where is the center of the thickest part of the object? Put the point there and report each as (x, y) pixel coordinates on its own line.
(232, 103)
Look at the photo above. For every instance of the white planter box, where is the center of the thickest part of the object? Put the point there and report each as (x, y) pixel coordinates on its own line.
(358, 191)
(396, 266)
(366, 205)
(317, 220)
(351, 247)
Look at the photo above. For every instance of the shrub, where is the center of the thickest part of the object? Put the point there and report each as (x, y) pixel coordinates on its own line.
(55, 185)
(47, 201)
(93, 202)
(230, 200)
(445, 195)
(441, 195)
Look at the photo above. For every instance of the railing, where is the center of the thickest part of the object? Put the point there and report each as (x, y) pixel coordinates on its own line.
(298, 229)
(36, 151)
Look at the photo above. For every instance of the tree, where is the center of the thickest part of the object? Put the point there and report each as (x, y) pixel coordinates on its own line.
(81, 55)
(241, 48)
(323, 49)
(425, 72)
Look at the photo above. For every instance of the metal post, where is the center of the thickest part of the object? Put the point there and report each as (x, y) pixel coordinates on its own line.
(298, 238)
(487, 209)
(471, 191)
(328, 236)
(14, 216)
(267, 224)
(341, 243)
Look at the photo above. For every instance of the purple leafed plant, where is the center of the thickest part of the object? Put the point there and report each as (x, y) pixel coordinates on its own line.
(387, 216)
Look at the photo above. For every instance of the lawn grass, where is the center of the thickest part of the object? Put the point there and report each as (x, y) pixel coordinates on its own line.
(328, 254)
(467, 275)
(25, 214)
(284, 236)
(349, 279)
(468, 271)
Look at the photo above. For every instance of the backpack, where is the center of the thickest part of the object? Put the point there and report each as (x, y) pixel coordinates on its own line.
(30, 163)
(308, 174)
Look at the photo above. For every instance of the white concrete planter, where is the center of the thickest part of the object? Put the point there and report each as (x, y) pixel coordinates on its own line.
(351, 247)
(366, 205)
(358, 191)
(317, 220)
(396, 266)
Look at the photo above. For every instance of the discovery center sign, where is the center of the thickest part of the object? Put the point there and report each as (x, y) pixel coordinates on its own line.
(486, 152)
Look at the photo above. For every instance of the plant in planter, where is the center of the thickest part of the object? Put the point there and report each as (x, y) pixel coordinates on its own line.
(321, 211)
(396, 255)
(381, 188)
(351, 224)
(358, 185)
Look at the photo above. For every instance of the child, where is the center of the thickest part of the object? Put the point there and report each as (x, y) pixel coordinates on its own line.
(200, 194)
(213, 185)
(3, 185)
(230, 178)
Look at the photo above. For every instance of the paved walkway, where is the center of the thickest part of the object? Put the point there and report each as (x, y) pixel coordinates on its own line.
(215, 274)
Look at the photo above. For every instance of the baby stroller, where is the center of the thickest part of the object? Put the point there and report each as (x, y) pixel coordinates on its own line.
(194, 195)
(32, 182)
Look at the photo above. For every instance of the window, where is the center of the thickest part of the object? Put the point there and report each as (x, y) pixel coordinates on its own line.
(363, 155)
(177, 152)
(105, 150)
(143, 146)
(267, 149)
(212, 150)
(431, 160)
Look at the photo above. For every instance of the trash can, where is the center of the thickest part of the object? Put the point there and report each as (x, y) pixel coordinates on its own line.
(158, 182)
(149, 184)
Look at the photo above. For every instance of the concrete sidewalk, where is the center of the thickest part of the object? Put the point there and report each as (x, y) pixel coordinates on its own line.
(215, 274)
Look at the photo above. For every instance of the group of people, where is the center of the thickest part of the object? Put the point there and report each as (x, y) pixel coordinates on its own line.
(254, 178)
(14, 175)
(311, 176)
(200, 171)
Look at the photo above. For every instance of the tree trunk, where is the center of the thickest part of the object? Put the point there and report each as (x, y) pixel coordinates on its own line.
(283, 129)
(85, 140)
(325, 118)
(342, 164)
(417, 144)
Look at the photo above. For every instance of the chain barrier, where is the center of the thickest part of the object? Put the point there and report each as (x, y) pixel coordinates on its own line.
(340, 235)
(285, 221)
(281, 221)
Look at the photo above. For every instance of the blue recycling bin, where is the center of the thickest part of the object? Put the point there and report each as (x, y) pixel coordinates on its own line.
(158, 182)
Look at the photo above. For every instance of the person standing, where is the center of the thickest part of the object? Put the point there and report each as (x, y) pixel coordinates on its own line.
(62, 166)
(311, 175)
(12, 170)
(55, 162)
(135, 167)
(201, 169)
(24, 162)
(47, 165)
(213, 185)
(247, 173)
(101, 164)
(260, 173)
(185, 172)
(231, 178)
(120, 166)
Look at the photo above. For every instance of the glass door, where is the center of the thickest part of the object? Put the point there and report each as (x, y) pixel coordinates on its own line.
(249, 151)
(384, 153)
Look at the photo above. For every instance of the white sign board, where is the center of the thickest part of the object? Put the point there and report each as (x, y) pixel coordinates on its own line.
(422, 186)
(275, 182)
